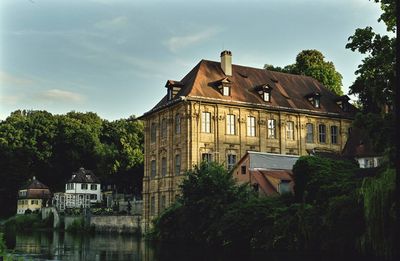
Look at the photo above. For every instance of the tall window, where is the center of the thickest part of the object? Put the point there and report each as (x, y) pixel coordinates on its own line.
(177, 164)
(162, 203)
(251, 126)
(231, 161)
(310, 133)
(226, 91)
(290, 130)
(317, 103)
(334, 134)
(230, 124)
(177, 123)
(164, 128)
(152, 206)
(207, 157)
(267, 96)
(206, 122)
(322, 133)
(153, 132)
(271, 129)
(153, 168)
(164, 167)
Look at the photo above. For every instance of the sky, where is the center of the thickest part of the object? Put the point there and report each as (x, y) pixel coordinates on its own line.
(114, 57)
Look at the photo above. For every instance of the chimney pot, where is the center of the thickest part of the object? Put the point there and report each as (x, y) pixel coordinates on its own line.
(226, 62)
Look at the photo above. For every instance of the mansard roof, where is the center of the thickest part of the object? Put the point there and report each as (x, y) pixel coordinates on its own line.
(288, 90)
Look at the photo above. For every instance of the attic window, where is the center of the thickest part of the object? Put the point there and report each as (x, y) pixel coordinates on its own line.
(315, 99)
(224, 87)
(264, 91)
(226, 91)
(343, 102)
(173, 88)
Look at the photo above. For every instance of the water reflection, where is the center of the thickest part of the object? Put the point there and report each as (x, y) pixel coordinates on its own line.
(67, 246)
(99, 247)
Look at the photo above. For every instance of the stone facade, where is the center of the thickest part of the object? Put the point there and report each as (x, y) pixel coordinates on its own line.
(185, 129)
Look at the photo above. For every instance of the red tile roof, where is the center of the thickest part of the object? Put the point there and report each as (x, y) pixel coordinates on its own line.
(288, 91)
(268, 180)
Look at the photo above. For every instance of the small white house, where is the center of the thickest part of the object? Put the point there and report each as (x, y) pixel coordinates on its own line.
(359, 147)
(82, 190)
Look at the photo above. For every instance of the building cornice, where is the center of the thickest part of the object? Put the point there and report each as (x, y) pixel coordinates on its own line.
(245, 104)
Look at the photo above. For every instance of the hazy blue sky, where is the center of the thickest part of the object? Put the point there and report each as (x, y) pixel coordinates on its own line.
(114, 57)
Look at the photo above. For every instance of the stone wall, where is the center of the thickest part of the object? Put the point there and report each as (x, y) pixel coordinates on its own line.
(120, 224)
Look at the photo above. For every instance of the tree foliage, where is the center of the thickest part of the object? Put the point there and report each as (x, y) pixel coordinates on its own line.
(51, 147)
(215, 211)
(375, 80)
(312, 63)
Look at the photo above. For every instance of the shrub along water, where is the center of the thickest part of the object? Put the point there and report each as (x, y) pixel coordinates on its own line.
(326, 214)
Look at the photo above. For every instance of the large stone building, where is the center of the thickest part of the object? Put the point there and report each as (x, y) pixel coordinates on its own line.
(219, 111)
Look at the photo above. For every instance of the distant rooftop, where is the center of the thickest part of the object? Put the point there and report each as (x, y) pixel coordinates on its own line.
(84, 176)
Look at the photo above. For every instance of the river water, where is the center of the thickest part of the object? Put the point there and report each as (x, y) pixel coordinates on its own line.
(99, 247)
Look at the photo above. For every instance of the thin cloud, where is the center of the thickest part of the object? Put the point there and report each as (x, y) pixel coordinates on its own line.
(7, 78)
(114, 23)
(61, 95)
(176, 43)
(9, 99)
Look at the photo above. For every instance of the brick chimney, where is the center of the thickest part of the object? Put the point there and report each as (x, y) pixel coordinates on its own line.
(226, 62)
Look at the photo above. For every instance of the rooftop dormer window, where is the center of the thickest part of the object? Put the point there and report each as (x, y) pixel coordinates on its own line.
(343, 102)
(173, 88)
(264, 91)
(224, 86)
(315, 99)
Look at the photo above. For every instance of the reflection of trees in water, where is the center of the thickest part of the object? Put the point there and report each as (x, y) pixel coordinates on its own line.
(67, 246)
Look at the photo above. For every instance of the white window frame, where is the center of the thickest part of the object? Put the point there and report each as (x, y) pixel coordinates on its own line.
(267, 96)
(290, 130)
(226, 91)
(206, 122)
(230, 124)
(231, 161)
(251, 126)
(271, 129)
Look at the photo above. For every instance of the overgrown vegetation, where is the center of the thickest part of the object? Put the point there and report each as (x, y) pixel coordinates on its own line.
(334, 211)
(28, 222)
(51, 147)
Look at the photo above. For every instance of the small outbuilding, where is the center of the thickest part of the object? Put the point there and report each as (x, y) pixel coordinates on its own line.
(268, 173)
(33, 196)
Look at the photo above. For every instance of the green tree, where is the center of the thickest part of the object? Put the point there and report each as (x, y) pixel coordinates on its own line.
(207, 191)
(312, 63)
(375, 80)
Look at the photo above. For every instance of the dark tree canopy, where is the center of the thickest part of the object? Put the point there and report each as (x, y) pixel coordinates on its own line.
(51, 147)
(312, 63)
